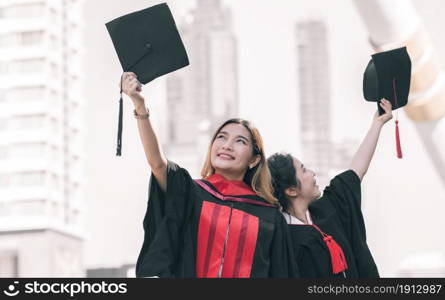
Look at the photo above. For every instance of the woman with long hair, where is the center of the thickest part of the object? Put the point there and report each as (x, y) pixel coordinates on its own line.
(224, 225)
(328, 233)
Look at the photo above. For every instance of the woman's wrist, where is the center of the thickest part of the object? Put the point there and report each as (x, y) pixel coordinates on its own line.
(138, 102)
(141, 115)
(140, 110)
(136, 97)
(377, 125)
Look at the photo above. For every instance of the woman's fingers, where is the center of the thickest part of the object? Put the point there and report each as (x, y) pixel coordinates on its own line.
(129, 74)
(386, 108)
(125, 78)
(128, 81)
(386, 105)
(130, 84)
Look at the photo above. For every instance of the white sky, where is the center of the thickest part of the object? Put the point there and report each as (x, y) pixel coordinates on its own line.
(403, 199)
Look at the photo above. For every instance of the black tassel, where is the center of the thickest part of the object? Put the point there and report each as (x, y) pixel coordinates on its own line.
(119, 129)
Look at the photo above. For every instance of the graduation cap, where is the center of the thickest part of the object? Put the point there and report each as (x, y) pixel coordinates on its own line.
(148, 44)
(388, 75)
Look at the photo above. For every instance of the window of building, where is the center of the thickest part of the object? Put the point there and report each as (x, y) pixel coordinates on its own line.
(31, 38)
(53, 97)
(76, 190)
(4, 180)
(7, 39)
(31, 207)
(3, 124)
(54, 126)
(4, 151)
(54, 42)
(3, 95)
(54, 16)
(54, 70)
(24, 10)
(54, 210)
(4, 68)
(54, 154)
(9, 264)
(55, 181)
(30, 93)
(24, 150)
(28, 179)
(28, 122)
(26, 66)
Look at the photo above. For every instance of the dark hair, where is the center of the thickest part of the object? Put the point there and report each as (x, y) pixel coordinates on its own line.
(259, 176)
(282, 170)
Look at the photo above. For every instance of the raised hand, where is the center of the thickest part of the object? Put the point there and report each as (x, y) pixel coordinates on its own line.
(387, 107)
(131, 86)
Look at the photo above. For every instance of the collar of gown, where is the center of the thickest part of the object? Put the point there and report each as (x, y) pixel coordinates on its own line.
(295, 221)
(230, 187)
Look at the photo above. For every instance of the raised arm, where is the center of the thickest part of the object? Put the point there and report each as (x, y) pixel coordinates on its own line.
(152, 148)
(362, 158)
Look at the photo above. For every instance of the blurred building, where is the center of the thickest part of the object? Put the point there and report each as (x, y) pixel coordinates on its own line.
(204, 94)
(126, 270)
(342, 153)
(314, 87)
(320, 153)
(40, 138)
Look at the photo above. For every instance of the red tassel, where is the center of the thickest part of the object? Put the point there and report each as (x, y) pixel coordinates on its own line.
(399, 147)
(337, 256)
(338, 259)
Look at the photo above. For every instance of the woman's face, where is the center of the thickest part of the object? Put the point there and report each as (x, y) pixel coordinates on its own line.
(231, 152)
(308, 184)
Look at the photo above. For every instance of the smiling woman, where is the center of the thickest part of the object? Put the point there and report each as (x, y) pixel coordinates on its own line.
(224, 225)
(247, 146)
(328, 233)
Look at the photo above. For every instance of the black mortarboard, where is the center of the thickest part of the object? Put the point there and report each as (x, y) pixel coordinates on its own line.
(147, 43)
(388, 75)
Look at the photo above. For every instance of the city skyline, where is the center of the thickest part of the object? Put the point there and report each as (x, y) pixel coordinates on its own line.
(40, 192)
(267, 93)
(267, 84)
(201, 97)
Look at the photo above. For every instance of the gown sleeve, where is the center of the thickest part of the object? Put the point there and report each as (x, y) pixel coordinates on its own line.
(283, 263)
(344, 193)
(166, 212)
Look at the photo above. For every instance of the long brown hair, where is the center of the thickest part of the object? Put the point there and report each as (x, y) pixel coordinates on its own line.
(257, 177)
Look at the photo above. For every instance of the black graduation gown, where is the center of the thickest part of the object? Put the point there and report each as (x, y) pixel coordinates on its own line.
(337, 213)
(195, 231)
